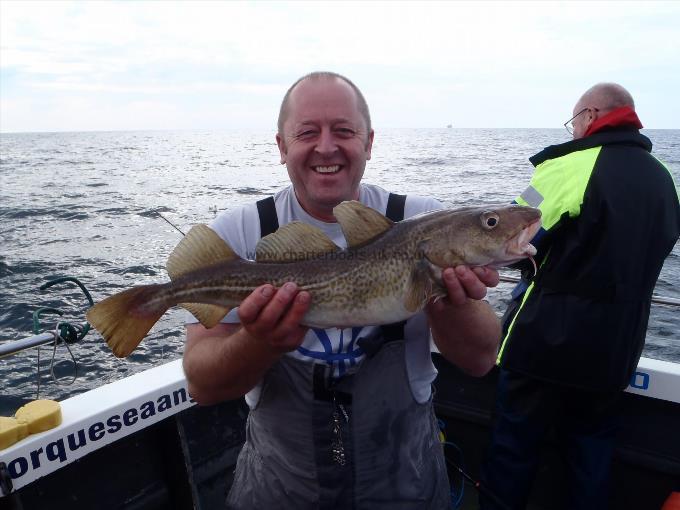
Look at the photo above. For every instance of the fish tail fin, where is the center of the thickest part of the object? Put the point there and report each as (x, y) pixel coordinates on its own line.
(121, 319)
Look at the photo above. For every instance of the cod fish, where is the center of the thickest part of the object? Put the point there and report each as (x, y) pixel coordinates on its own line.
(388, 272)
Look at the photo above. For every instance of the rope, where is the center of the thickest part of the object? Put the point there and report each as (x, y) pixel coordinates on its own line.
(64, 333)
(457, 499)
(58, 338)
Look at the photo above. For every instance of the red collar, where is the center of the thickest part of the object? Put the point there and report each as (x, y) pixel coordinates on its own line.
(621, 117)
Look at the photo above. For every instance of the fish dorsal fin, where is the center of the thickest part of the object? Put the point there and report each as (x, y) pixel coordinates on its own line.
(201, 247)
(360, 223)
(292, 242)
(208, 315)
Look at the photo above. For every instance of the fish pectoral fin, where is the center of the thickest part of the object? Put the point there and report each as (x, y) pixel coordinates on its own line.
(200, 248)
(419, 288)
(292, 242)
(360, 223)
(207, 314)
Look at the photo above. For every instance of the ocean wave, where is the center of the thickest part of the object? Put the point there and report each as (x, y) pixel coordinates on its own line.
(153, 213)
(249, 191)
(83, 204)
(114, 211)
(137, 270)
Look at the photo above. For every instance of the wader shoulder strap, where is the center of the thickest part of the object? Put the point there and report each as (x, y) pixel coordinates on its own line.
(395, 207)
(394, 331)
(269, 221)
(395, 212)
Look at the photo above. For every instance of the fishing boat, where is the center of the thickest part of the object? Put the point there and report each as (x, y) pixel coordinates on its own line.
(142, 443)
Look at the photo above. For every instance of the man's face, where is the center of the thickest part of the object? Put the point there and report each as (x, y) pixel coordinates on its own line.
(324, 144)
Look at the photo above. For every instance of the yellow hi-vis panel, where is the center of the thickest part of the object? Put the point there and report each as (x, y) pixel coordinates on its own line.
(557, 186)
(562, 182)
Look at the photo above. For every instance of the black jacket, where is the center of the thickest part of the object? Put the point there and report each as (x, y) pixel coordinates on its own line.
(611, 216)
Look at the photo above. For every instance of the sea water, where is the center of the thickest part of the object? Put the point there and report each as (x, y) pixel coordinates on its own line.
(84, 205)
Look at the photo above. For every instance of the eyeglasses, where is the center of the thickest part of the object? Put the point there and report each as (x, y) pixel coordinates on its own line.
(569, 125)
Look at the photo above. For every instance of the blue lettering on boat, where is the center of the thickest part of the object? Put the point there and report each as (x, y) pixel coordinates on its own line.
(640, 381)
(58, 450)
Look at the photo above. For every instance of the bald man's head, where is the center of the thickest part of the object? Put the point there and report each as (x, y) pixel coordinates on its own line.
(596, 102)
(324, 75)
(605, 97)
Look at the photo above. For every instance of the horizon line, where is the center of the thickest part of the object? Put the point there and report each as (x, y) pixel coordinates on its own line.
(273, 131)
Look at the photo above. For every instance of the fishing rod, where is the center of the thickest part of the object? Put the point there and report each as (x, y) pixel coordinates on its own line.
(656, 299)
(170, 222)
(481, 488)
(65, 332)
(458, 466)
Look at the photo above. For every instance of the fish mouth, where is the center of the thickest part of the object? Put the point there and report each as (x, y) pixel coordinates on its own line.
(519, 246)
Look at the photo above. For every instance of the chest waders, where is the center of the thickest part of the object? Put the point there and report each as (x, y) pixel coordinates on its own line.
(360, 442)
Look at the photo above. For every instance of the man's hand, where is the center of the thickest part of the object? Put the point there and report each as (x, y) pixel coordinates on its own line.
(272, 316)
(228, 360)
(465, 329)
(463, 283)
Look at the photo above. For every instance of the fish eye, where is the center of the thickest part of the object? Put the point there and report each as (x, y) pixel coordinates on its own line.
(490, 220)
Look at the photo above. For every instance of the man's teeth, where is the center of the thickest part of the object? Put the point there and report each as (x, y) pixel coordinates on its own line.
(327, 169)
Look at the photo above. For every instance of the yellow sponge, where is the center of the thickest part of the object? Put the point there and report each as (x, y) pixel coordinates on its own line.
(11, 431)
(40, 415)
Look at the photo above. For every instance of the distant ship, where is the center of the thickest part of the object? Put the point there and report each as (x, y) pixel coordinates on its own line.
(449, 126)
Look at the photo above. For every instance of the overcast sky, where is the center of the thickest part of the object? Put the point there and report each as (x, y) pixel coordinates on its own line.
(96, 65)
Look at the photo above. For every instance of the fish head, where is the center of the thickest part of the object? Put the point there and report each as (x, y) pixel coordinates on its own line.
(481, 236)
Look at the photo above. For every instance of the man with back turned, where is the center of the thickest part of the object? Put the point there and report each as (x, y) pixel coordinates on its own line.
(574, 332)
(339, 418)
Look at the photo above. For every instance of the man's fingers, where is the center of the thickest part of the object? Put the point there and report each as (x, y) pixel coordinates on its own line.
(279, 304)
(275, 314)
(463, 283)
(454, 287)
(487, 275)
(472, 286)
(250, 308)
(296, 311)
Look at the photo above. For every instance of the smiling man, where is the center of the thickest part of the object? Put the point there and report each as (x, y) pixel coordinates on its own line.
(325, 139)
(339, 418)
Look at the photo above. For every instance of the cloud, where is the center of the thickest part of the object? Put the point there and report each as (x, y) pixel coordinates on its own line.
(419, 63)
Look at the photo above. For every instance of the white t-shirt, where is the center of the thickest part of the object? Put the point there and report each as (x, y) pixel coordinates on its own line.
(240, 228)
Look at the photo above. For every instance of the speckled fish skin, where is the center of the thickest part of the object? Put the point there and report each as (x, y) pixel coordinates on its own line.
(367, 285)
(388, 274)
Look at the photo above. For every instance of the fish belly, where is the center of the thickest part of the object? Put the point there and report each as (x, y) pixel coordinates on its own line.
(375, 312)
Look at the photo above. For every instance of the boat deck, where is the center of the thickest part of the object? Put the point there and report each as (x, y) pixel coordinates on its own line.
(186, 460)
